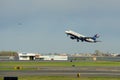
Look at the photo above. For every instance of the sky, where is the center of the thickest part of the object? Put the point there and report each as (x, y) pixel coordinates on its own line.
(40, 25)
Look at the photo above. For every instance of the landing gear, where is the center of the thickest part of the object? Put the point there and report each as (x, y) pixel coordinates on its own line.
(82, 39)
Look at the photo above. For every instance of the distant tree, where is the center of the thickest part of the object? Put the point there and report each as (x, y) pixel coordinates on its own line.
(118, 55)
(8, 53)
(98, 53)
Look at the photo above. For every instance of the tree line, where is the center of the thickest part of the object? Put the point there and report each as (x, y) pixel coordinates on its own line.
(8, 53)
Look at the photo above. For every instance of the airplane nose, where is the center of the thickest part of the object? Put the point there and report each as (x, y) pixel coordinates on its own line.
(66, 31)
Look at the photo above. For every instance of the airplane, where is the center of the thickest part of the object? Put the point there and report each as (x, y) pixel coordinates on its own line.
(78, 37)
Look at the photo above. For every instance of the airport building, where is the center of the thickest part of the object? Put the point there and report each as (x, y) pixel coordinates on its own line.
(26, 56)
(53, 57)
(35, 56)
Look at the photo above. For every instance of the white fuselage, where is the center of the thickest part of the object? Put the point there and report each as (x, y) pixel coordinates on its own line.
(70, 32)
(75, 35)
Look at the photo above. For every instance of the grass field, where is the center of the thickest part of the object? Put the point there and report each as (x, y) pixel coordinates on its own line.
(53, 63)
(64, 78)
(11, 65)
(33, 65)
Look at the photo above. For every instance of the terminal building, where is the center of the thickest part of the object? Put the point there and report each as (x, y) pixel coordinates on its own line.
(26, 56)
(35, 56)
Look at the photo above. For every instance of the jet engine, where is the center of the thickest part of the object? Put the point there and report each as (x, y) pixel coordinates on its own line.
(72, 37)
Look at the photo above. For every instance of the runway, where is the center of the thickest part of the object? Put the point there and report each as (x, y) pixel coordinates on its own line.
(65, 71)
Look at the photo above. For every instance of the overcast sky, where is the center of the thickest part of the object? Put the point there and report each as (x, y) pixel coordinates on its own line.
(39, 25)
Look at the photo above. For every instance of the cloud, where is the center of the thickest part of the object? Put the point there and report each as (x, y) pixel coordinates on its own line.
(27, 7)
(44, 20)
(90, 12)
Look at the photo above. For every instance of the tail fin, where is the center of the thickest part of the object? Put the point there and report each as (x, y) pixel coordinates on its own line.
(96, 36)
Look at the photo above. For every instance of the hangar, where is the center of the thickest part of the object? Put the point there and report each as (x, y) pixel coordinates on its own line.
(26, 56)
(35, 56)
(54, 57)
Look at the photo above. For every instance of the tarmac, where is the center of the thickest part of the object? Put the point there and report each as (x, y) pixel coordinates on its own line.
(88, 71)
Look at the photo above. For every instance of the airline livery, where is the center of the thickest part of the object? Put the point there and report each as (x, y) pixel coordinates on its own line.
(74, 35)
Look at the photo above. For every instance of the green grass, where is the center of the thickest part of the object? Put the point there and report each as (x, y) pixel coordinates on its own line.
(10, 65)
(34, 65)
(64, 78)
(37, 63)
